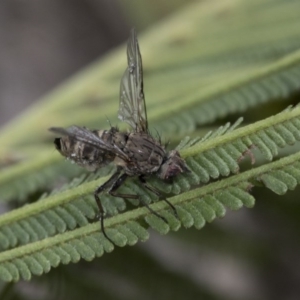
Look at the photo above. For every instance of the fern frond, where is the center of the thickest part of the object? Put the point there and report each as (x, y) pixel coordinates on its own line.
(54, 214)
(195, 208)
(216, 155)
(271, 83)
(267, 135)
(31, 175)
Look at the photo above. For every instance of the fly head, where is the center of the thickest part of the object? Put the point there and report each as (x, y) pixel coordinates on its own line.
(172, 166)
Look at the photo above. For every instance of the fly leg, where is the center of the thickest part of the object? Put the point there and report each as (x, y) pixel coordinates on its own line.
(157, 193)
(109, 183)
(118, 183)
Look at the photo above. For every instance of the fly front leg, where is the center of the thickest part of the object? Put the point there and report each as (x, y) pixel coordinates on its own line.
(118, 183)
(157, 193)
(110, 182)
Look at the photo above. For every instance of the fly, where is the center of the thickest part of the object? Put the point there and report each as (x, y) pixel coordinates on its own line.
(135, 153)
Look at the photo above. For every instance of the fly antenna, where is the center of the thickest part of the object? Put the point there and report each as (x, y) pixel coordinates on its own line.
(158, 135)
(107, 119)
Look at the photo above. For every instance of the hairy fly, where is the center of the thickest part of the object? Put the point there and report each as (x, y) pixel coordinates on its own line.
(135, 153)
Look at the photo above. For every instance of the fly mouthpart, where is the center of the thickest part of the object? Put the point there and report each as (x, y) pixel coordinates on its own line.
(172, 166)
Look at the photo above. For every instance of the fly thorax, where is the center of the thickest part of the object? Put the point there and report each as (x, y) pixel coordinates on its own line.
(120, 140)
(100, 133)
(105, 135)
(112, 137)
(172, 166)
(144, 152)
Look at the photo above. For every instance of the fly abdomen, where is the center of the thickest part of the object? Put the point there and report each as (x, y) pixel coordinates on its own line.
(85, 155)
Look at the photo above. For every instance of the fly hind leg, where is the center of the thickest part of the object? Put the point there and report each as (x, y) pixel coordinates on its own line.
(157, 193)
(112, 184)
(118, 183)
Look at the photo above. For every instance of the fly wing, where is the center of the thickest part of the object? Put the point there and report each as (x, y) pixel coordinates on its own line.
(132, 108)
(86, 136)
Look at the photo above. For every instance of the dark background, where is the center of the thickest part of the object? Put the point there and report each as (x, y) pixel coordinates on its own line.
(44, 42)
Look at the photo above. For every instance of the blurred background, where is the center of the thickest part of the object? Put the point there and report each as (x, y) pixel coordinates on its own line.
(250, 254)
(44, 42)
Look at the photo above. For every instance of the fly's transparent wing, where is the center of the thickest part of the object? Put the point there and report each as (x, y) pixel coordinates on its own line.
(86, 136)
(132, 108)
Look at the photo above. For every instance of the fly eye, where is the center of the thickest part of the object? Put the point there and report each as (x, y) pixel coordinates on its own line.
(57, 144)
